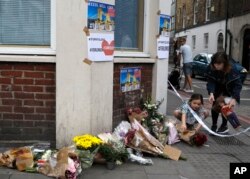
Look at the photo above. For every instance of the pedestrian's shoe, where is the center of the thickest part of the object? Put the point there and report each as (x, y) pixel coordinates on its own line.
(214, 129)
(188, 91)
(223, 130)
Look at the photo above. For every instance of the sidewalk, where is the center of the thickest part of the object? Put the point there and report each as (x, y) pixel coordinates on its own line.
(208, 162)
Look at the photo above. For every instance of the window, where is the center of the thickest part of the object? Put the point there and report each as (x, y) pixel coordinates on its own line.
(195, 11)
(173, 22)
(208, 9)
(220, 43)
(184, 17)
(26, 24)
(129, 22)
(206, 40)
(193, 41)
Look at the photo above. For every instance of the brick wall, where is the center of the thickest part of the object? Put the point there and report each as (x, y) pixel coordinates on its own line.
(121, 101)
(218, 13)
(27, 101)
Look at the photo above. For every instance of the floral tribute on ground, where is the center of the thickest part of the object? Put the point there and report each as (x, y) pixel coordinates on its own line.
(146, 131)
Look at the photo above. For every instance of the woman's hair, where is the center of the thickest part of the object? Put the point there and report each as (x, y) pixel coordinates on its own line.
(219, 58)
(196, 97)
(216, 107)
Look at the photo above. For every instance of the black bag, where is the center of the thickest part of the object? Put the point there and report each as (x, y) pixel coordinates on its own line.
(174, 79)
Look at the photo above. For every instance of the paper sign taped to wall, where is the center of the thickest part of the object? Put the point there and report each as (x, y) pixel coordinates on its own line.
(163, 47)
(101, 46)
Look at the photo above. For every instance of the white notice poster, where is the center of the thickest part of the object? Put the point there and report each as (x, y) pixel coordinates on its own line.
(101, 46)
(163, 47)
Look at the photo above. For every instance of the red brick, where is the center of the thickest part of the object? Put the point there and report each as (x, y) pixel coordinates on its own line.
(50, 117)
(5, 81)
(23, 123)
(24, 110)
(24, 81)
(5, 67)
(50, 89)
(12, 73)
(19, 95)
(48, 124)
(24, 67)
(4, 123)
(32, 131)
(45, 82)
(5, 95)
(45, 110)
(33, 103)
(45, 68)
(5, 109)
(33, 89)
(45, 96)
(34, 117)
(11, 88)
(50, 75)
(12, 102)
(34, 74)
(12, 116)
(50, 103)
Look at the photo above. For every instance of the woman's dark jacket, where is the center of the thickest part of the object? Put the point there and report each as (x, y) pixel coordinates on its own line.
(228, 85)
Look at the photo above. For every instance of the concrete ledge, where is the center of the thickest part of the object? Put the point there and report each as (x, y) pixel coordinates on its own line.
(134, 60)
(26, 58)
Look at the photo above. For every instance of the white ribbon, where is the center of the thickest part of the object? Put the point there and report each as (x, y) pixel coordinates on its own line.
(201, 121)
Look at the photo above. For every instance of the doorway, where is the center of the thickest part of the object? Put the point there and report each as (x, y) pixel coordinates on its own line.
(220, 42)
(246, 50)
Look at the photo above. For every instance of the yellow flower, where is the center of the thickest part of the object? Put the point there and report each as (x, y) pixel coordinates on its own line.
(87, 141)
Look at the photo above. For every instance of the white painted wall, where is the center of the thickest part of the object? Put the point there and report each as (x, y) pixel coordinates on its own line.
(237, 26)
(160, 71)
(212, 29)
(83, 92)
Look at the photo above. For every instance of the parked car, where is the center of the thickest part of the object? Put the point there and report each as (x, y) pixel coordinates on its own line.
(202, 60)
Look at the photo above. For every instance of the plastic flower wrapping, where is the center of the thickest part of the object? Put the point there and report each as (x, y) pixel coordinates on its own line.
(88, 146)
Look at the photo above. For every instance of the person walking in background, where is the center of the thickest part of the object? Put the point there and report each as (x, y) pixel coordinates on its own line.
(186, 53)
(223, 79)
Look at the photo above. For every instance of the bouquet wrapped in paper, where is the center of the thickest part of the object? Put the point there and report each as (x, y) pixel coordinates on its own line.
(192, 137)
(21, 158)
(139, 138)
(62, 164)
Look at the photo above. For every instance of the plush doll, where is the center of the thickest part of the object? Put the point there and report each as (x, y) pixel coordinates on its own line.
(221, 106)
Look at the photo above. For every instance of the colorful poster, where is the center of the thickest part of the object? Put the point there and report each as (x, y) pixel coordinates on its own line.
(101, 16)
(130, 79)
(163, 47)
(101, 46)
(165, 23)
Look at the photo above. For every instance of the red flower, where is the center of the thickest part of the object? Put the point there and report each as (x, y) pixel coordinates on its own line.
(199, 139)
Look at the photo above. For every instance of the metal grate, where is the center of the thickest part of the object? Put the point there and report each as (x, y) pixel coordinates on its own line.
(228, 141)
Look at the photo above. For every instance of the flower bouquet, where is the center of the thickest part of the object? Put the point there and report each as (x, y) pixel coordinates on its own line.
(192, 137)
(87, 146)
(113, 150)
(198, 139)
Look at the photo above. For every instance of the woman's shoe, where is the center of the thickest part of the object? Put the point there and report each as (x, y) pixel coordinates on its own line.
(223, 130)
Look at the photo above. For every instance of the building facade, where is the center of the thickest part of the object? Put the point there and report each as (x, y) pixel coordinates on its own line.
(202, 22)
(208, 23)
(48, 92)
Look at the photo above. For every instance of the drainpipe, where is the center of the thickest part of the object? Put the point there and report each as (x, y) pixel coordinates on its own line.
(226, 27)
(230, 43)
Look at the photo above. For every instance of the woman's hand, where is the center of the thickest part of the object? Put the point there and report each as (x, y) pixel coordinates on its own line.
(211, 98)
(184, 127)
(232, 103)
